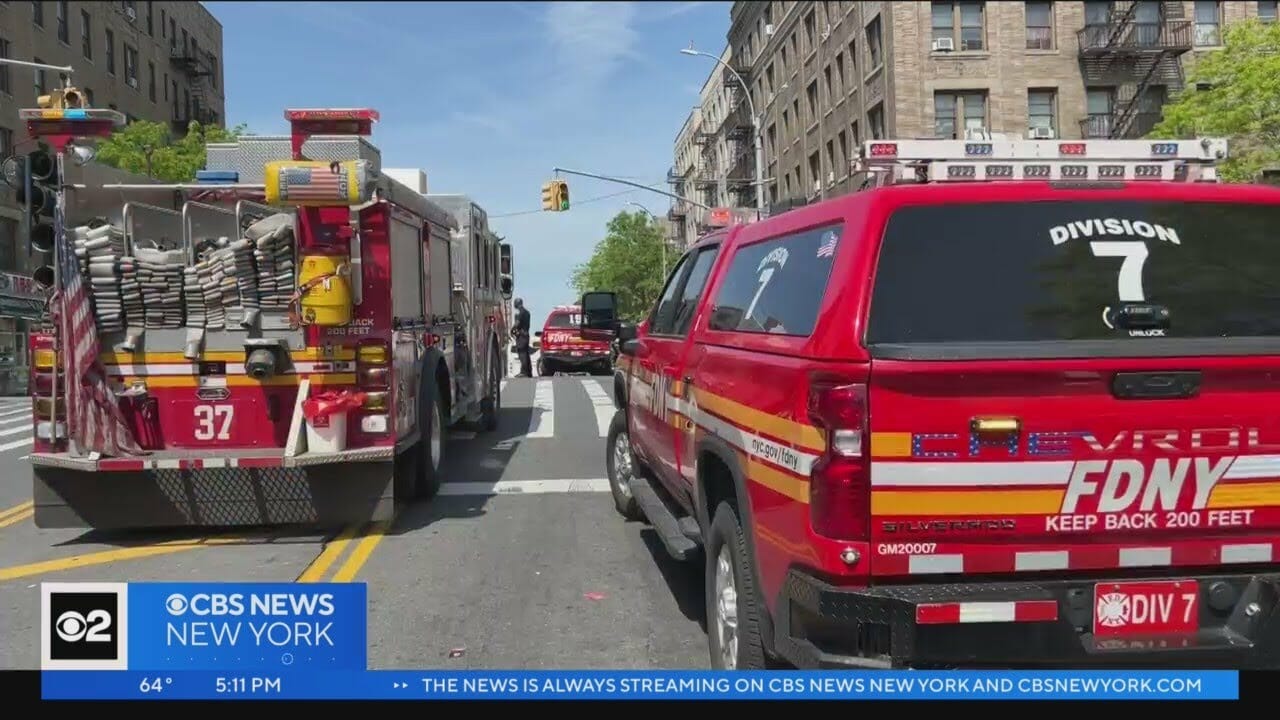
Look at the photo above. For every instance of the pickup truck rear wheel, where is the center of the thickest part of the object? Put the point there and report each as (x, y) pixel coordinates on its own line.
(621, 466)
(733, 617)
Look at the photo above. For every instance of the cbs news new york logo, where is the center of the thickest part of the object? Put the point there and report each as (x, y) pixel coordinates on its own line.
(83, 626)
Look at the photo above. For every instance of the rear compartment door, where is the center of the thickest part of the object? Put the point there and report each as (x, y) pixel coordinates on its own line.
(1075, 386)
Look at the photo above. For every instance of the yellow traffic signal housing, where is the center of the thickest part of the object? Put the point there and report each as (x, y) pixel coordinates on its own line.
(67, 98)
(562, 195)
(549, 196)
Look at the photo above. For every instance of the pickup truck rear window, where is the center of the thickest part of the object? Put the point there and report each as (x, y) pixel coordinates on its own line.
(1078, 271)
(564, 320)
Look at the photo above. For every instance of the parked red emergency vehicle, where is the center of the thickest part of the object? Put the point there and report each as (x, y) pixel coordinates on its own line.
(286, 342)
(1009, 405)
(563, 349)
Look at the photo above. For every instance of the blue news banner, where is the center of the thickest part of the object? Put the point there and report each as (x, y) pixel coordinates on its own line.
(286, 641)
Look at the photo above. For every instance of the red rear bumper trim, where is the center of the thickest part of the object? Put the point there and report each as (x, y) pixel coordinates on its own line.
(987, 612)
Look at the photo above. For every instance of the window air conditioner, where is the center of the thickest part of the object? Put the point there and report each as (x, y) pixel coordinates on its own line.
(132, 82)
(831, 177)
(768, 29)
(944, 45)
(131, 14)
(1041, 133)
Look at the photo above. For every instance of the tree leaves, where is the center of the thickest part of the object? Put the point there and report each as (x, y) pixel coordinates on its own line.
(628, 261)
(1242, 103)
(149, 148)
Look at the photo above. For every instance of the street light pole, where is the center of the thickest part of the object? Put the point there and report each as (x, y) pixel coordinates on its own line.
(663, 239)
(755, 128)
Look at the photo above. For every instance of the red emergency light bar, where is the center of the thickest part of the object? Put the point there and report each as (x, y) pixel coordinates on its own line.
(884, 149)
(1071, 148)
(314, 114)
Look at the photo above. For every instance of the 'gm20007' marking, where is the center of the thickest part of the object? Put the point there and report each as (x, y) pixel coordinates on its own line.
(907, 548)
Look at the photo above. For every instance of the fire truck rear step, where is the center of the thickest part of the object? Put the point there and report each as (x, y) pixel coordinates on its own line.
(679, 533)
(201, 489)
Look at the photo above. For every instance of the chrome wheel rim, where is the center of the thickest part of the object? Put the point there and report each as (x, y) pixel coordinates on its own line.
(436, 437)
(726, 598)
(622, 464)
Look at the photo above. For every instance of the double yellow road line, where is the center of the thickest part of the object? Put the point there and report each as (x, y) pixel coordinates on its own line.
(17, 513)
(365, 537)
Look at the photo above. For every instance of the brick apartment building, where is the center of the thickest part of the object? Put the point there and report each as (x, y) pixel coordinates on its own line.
(828, 76)
(158, 61)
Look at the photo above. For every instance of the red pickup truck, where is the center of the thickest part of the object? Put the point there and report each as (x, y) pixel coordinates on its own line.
(562, 349)
(979, 423)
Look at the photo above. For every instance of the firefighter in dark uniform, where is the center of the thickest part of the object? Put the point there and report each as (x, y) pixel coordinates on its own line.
(521, 334)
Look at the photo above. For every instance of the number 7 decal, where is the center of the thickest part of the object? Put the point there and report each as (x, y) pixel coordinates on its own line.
(1135, 256)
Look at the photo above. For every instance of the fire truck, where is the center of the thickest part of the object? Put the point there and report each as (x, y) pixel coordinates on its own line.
(286, 340)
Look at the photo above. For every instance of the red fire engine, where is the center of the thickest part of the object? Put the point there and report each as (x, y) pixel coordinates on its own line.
(287, 342)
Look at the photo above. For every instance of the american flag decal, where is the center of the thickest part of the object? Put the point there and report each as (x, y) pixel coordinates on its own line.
(94, 420)
(828, 246)
(316, 183)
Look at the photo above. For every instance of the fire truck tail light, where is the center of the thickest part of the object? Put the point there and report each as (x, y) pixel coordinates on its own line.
(43, 408)
(374, 424)
(372, 371)
(840, 487)
(42, 383)
(372, 354)
(376, 401)
(44, 430)
(374, 377)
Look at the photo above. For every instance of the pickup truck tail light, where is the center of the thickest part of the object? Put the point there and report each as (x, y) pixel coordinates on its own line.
(840, 484)
(50, 421)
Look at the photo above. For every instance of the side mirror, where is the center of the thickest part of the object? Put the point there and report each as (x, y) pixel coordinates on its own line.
(599, 316)
(537, 333)
(626, 331)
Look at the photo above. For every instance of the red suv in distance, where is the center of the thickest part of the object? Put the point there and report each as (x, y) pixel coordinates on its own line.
(563, 349)
(1009, 423)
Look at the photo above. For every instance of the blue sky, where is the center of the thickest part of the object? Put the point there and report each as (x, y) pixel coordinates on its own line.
(488, 97)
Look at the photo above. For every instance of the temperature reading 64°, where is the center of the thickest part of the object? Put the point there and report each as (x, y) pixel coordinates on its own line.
(154, 684)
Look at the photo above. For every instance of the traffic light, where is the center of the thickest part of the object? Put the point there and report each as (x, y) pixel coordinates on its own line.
(549, 196)
(562, 195)
(555, 196)
(38, 193)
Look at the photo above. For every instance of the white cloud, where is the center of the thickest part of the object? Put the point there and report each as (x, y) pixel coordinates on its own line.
(590, 40)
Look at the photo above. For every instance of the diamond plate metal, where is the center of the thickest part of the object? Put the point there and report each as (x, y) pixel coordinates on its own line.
(249, 156)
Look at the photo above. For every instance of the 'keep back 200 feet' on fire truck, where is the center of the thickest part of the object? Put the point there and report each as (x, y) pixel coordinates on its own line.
(286, 343)
(1010, 405)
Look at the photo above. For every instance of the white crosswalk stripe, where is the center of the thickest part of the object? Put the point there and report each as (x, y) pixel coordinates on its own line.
(543, 422)
(602, 403)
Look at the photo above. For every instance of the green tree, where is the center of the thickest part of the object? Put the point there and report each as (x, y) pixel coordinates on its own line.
(149, 148)
(628, 261)
(1242, 104)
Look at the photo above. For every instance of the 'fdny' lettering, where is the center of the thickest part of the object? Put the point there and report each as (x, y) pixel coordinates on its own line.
(1118, 485)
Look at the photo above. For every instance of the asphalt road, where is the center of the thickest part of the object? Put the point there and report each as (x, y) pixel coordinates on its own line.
(521, 562)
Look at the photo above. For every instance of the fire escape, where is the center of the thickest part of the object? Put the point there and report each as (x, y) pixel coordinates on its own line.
(197, 67)
(678, 214)
(705, 178)
(1132, 63)
(740, 140)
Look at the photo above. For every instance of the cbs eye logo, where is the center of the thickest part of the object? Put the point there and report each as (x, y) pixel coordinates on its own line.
(83, 628)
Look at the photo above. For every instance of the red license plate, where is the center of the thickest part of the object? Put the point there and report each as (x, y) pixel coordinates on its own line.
(1170, 607)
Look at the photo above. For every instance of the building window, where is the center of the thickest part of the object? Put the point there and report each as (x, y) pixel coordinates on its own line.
(840, 73)
(957, 111)
(811, 94)
(875, 119)
(832, 91)
(6, 79)
(771, 140)
(164, 20)
(853, 63)
(6, 142)
(810, 32)
(37, 13)
(173, 35)
(151, 81)
(165, 86)
(968, 16)
(174, 94)
(186, 43)
(186, 104)
(1042, 112)
(831, 161)
(1098, 105)
(151, 18)
(1039, 25)
(64, 34)
(131, 66)
(88, 96)
(1097, 13)
(1208, 23)
(873, 43)
(38, 75)
(1267, 10)
(815, 172)
(856, 137)
(786, 122)
(782, 63)
(111, 52)
(86, 35)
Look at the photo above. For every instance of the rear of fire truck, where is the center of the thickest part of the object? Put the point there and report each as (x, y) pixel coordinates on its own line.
(265, 350)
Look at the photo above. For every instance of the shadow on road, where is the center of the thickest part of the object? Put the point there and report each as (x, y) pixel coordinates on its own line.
(685, 579)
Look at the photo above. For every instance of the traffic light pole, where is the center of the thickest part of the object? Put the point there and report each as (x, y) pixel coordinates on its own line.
(620, 181)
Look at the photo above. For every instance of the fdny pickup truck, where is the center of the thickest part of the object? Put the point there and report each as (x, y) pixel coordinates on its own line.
(1009, 405)
(564, 350)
